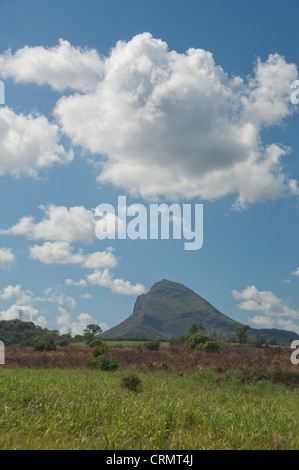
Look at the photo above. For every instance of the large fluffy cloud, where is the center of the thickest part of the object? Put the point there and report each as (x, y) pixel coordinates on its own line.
(275, 312)
(63, 66)
(161, 123)
(177, 125)
(29, 144)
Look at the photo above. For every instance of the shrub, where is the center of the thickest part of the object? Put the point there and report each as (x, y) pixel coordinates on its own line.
(272, 342)
(132, 383)
(152, 345)
(43, 346)
(99, 350)
(195, 340)
(139, 350)
(209, 346)
(95, 342)
(259, 341)
(113, 364)
(103, 363)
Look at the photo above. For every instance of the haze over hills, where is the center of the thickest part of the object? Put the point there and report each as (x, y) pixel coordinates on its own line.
(168, 310)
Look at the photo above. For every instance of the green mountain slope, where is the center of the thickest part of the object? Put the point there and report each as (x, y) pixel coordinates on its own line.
(169, 308)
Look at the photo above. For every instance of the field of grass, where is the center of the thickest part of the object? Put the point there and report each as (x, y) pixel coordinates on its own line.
(87, 409)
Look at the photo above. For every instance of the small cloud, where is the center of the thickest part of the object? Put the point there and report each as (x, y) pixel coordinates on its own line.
(276, 313)
(60, 224)
(81, 283)
(86, 296)
(63, 253)
(296, 273)
(16, 293)
(119, 286)
(55, 253)
(7, 258)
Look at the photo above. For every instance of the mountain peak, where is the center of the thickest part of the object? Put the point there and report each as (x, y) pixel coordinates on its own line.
(169, 308)
(170, 287)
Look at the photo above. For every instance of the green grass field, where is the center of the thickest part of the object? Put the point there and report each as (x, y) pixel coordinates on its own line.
(86, 409)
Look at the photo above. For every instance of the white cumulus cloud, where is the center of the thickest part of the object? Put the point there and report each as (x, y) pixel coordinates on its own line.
(29, 144)
(66, 324)
(275, 312)
(60, 223)
(7, 258)
(177, 125)
(296, 273)
(16, 293)
(29, 313)
(55, 253)
(99, 260)
(119, 286)
(63, 253)
(62, 67)
(81, 283)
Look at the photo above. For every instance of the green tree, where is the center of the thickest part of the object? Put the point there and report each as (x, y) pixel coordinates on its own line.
(202, 342)
(259, 341)
(272, 342)
(195, 328)
(240, 332)
(195, 340)
(92, 334)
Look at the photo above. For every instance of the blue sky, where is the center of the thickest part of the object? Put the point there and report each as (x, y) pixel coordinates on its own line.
(90, 118)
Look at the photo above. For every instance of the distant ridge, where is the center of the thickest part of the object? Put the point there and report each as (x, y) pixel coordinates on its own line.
(169, 308)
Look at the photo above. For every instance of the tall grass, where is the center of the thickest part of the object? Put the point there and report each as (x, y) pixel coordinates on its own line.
(254, 364)
(85, 409)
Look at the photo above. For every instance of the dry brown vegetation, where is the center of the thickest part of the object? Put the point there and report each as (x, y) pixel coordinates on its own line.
(254, 364)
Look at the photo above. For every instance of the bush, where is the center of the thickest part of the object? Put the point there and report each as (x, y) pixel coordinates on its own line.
(95, 342)
(49, 346)
(152, 345)
(113, 364)
(132, 383)
(103, 363)
(197, 339)
(209, 346)
(99, 350)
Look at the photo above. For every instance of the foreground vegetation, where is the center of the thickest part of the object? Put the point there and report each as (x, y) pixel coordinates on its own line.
(86, 409)
(254, 364)
(194, 393)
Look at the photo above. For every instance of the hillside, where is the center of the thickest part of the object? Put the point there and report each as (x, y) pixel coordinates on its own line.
(169, 308)
(26, 333)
